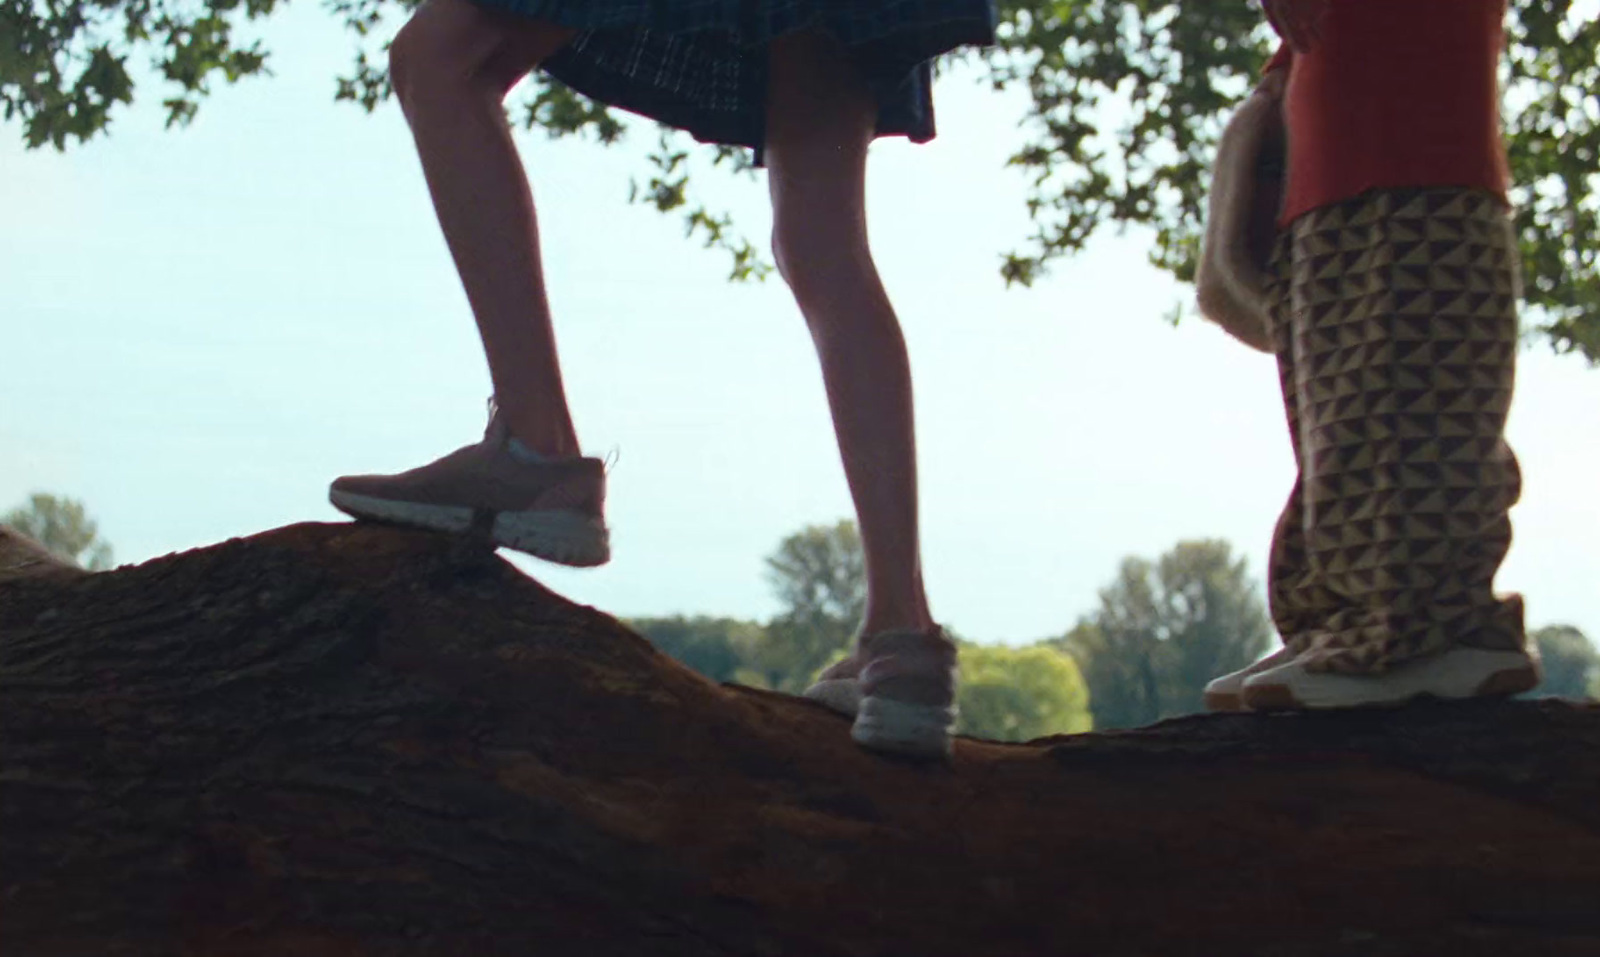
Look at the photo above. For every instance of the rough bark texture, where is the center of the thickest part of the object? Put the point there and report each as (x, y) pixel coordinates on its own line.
(22, 557)
(342, 740)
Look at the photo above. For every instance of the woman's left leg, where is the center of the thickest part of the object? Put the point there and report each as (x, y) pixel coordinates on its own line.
(821, 119)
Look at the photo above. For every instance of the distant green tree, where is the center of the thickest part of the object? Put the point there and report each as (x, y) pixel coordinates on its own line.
(1571, 663)
(1164, 629)
(818, 575)
(64, 527)
(1018, 694)
(718, 648)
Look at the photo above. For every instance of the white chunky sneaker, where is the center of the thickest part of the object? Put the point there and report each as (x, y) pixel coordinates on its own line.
(839, 686)
(908, 690)
(1455, 674)
(549, 508)
(1222, 694)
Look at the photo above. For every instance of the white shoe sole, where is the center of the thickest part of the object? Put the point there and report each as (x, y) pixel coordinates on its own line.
(899, 727)
(837, 694)
(1223, 694)
(561, 536)
(1456, 675)
(1223, 702)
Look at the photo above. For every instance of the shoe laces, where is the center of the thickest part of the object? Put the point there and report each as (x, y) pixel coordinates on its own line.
(494, 418)
(497, 429)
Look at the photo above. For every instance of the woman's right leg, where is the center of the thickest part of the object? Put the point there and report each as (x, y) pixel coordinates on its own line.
(452, 66)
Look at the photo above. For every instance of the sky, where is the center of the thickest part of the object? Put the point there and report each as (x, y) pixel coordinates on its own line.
(199, 329)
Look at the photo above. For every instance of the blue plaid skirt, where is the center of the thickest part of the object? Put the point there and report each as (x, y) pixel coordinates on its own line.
(701, 65)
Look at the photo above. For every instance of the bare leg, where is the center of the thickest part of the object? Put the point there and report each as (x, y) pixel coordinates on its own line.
(820, 123)
(452, 66)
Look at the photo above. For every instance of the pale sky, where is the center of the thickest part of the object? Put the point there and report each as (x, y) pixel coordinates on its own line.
(201, 328)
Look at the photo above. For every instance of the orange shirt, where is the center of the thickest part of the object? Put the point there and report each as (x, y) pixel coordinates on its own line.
(1395, 93)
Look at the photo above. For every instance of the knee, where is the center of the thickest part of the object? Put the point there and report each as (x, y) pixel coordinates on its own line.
(434, 51)
(819, 254)
(796, 256)
(412, 56)
(781, 256)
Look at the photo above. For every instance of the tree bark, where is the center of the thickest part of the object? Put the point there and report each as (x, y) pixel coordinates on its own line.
(22, 557)
(354, 740)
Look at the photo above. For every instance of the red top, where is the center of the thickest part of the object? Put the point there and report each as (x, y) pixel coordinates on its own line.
(1395, 93)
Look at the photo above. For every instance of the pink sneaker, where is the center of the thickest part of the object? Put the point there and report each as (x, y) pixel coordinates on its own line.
(549, 508)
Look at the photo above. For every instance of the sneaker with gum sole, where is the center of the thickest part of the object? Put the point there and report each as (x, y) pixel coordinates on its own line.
(1457, 674)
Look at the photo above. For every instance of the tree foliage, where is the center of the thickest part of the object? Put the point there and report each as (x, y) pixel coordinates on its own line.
(1126, 101)
(818, 576)
(1006, 694)
(1018, 694)
(1571, 664)
(819, 573)
(718, 648)
(64, 527)
(1165, 628)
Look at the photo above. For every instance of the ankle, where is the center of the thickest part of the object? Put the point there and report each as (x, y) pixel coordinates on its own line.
(911, 614)
(531, 435)
(540, 446)
(921, 624)
(525, 454)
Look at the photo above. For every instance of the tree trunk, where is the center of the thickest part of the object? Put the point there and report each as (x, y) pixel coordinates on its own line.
(354, 740)
(22, 557)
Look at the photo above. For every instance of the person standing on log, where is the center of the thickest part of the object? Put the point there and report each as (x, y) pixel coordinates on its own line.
(1393, 290)
(807, 84)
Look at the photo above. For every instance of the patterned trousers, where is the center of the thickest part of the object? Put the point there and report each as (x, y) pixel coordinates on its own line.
(1395, 326)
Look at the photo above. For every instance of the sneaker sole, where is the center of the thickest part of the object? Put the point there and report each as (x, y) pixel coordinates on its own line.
(1230, 696)
(1501, 684)
(1220, 701)
(899, 727)
(842, 695)
(560, 536)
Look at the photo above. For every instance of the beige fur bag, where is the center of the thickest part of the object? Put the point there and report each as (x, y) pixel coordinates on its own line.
(1242, 217)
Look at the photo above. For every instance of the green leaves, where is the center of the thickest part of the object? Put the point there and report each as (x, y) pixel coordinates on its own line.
(817, 573)
(818, 576)
(63, 526)
(1128, 98)
(63, 67)
(1126, 101)
(61, 84)
(668, 190)
(1018, 694)
(1165, 628)
(1554, 143)
(1571, 664)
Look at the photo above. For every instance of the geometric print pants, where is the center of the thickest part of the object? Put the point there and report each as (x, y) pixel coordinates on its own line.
(1395, 324)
